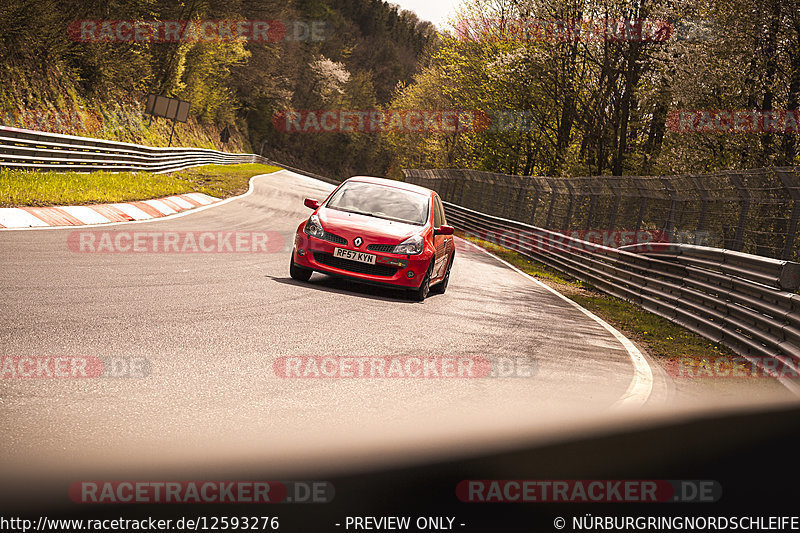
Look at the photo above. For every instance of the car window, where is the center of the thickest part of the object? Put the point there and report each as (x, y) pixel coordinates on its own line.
(437, 213)
(440, 210)
(381, 201)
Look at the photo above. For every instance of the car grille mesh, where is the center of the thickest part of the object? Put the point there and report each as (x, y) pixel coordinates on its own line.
(354, 266)
(386, 248)
(333, 238)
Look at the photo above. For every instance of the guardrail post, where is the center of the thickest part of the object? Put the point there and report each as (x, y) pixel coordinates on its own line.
(553, 194)
(615, 188)
(521, 190)
(571, 189)
(642, 203)
(790, 181)
(502, 199)
(452, 179)
(701, 222)
(505, 202)
(464, 176)
(738, 239)
(487, 195)
(593, 194)
(537, 192)
(669, 223)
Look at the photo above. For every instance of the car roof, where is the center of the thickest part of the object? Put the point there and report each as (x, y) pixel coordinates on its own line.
(392, 183)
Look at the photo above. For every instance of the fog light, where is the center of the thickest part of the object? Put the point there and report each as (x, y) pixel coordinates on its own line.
(301, 252)
(410, 274)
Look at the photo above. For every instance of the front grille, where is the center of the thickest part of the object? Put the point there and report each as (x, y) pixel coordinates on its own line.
(354, 266)
(386, 248)
(333, 238)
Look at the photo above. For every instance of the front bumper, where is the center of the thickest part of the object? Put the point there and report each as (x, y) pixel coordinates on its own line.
(389, 269)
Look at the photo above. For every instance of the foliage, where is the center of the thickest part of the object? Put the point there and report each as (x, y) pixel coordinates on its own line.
(367, 47)
(583, 106)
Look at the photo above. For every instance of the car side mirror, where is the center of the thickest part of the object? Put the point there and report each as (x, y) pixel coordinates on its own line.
(445, 230)
(311, 203)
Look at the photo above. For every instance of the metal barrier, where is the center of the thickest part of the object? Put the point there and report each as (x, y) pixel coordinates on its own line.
(36, 150)
(754, 211)
(739, 300)
(301, 171)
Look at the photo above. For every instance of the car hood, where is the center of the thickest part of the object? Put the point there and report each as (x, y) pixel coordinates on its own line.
(351, 225)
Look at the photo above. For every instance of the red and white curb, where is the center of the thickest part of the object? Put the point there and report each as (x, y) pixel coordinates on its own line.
(83, 215)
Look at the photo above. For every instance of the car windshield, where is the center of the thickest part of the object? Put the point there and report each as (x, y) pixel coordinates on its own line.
(380, 201)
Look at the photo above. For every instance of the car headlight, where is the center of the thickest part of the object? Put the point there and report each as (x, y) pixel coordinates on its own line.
(412, 245)
(313, 227)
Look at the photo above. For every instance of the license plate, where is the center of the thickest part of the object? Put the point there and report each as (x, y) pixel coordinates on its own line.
(352, 255)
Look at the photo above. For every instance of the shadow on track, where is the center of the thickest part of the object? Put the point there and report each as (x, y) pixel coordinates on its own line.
(338, 285)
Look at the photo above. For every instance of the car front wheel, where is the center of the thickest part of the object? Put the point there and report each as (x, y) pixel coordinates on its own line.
(425, 287)
(440, 287)
(297, 272)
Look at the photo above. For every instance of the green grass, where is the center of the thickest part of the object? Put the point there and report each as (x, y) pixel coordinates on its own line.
(31, 188)
(527, 265)
(661, 338)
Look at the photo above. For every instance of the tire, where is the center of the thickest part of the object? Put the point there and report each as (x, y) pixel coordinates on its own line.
(424, 289)
(440, 287)
(297, 272)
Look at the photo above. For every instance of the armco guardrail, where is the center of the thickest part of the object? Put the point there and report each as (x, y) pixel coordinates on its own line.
(300, 171)
(754, 211)
(36, 150)
(743, 301)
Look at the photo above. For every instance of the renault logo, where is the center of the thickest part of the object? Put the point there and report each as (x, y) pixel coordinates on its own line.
(358, 241)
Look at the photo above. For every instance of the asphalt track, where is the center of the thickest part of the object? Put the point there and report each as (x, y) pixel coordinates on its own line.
(212, 325)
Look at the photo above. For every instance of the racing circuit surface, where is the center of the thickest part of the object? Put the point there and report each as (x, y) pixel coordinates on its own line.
(212, 325)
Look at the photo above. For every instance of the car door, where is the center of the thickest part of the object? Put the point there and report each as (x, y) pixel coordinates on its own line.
(440, 242)
(450, 240)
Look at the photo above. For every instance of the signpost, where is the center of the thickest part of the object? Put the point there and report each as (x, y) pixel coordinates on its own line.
(169, 108)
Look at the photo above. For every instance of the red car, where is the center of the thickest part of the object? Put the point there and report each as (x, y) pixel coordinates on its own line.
(377, 231)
